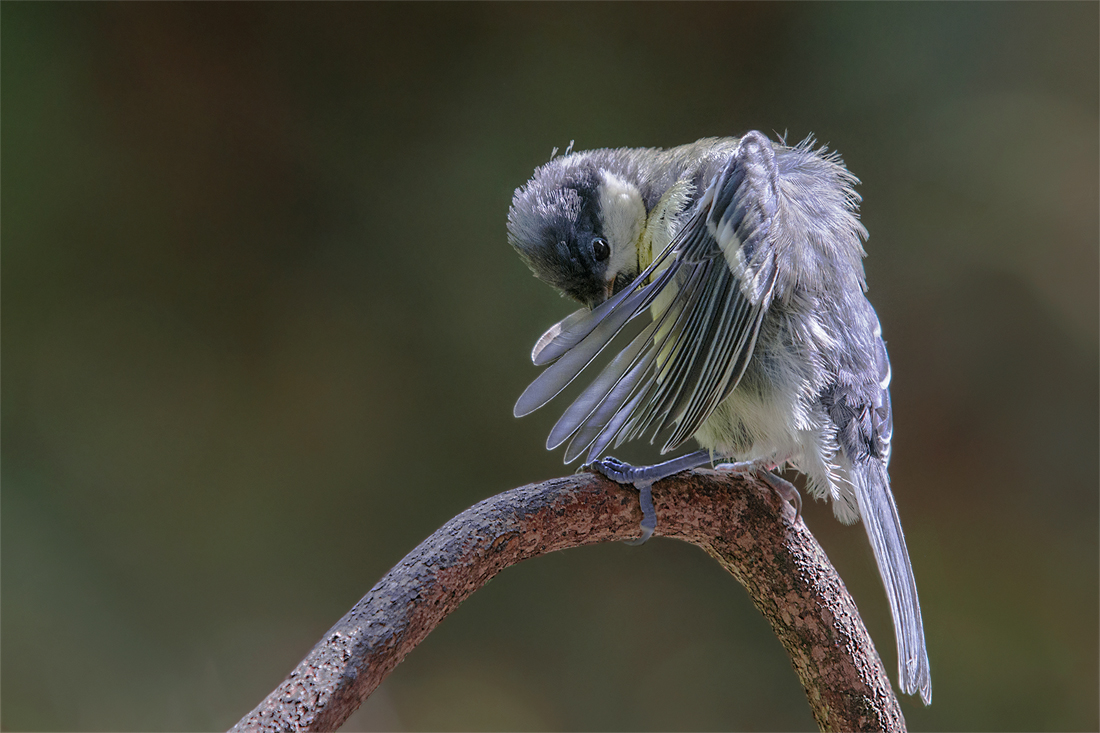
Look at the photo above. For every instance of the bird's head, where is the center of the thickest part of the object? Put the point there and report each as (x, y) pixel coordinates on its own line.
(577, 226)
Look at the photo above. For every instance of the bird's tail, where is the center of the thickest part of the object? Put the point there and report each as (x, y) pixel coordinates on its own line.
(880, 517)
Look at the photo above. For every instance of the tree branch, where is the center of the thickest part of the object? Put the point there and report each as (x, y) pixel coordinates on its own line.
(737, 520)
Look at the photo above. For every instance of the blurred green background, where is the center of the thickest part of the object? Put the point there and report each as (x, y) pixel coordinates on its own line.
(262, 334)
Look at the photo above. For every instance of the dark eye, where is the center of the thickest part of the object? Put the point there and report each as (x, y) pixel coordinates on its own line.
(601, 250)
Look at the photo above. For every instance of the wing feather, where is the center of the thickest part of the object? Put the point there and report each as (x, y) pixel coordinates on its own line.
(595, 394)
(597, 422)
(562, 372)
(564, 325)
(589, 414)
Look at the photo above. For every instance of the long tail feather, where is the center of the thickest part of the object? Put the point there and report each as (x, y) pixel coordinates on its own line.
(880, 518)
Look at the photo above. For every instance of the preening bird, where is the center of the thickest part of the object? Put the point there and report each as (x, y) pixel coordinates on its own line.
(730, 272)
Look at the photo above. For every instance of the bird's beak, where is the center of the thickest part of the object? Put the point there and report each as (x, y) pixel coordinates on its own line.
(603, 297)
(608, 291)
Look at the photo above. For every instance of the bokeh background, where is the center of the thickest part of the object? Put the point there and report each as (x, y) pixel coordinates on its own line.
(262, 334)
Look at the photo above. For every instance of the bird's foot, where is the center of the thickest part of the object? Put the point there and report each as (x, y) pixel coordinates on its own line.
(643, 477)
(623, 473)
(783, 488)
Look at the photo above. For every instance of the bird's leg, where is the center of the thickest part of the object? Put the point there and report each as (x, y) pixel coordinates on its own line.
(781, 486)
(643, 477)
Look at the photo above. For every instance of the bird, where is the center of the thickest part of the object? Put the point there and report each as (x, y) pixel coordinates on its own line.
(729, 274)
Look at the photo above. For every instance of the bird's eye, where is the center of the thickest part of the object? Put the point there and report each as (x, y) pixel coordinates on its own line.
(601, 250)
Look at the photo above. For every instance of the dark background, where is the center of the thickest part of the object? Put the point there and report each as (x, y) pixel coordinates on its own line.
(262, 334)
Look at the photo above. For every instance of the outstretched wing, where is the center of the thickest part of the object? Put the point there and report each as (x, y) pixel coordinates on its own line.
(706, 293)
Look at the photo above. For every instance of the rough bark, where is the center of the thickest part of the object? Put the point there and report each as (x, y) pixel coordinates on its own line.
(737, 520)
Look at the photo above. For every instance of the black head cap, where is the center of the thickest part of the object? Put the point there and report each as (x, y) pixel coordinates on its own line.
(554, 225)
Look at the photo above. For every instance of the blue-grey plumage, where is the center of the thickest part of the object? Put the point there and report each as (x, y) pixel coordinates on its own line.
(744, 259)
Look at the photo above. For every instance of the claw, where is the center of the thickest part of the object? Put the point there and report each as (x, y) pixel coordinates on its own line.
(785, 489)
(649, 515)
(618, 471)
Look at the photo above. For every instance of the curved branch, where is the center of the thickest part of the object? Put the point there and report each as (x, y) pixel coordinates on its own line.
(737, 520)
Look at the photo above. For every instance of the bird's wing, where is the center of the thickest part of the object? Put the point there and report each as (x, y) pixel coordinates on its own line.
(706, 292)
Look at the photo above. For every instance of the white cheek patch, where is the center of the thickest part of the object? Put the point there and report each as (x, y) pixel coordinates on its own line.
(623, 216)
